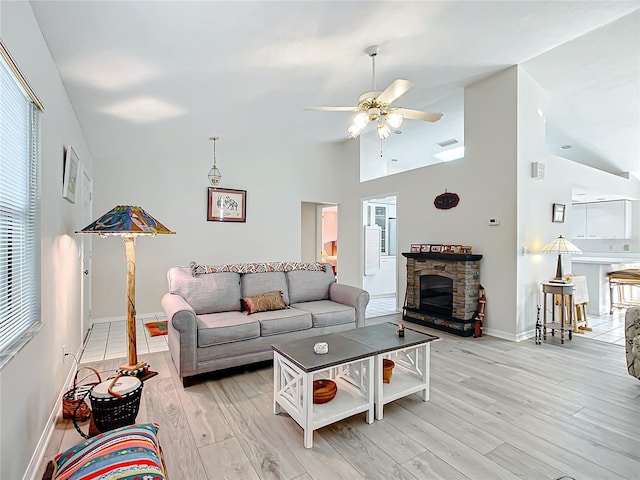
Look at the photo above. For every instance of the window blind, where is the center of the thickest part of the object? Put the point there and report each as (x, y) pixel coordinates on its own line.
(19, 212)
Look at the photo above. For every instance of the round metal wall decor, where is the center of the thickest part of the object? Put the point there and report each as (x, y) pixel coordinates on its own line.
(446, 200)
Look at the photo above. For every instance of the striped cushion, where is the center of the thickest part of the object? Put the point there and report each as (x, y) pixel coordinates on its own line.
(126, 453)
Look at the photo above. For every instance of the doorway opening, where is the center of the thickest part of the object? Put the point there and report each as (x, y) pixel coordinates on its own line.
(380, 276)
(319, 236)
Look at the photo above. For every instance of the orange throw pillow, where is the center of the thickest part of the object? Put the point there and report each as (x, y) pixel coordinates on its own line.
(264, 302)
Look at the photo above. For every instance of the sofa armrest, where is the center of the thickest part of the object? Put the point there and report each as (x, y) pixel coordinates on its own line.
(180, 314)
(352, 296)
(183, 333)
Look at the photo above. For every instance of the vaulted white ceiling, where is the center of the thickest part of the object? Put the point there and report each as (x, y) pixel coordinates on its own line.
(145, 76)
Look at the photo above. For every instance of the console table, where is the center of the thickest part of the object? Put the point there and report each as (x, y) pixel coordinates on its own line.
(565, 293)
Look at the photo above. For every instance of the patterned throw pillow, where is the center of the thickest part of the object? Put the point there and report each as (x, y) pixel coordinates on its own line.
(126, 453)
(264, 302)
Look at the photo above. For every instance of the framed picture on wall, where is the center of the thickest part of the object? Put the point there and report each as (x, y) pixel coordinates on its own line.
(559, 210)
(415, 248)
(71, 167)
(226, 205)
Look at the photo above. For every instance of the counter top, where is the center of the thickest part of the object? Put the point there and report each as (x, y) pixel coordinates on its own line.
(604, 259)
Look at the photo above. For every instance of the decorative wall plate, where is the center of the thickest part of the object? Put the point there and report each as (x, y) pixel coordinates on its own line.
(446, 200)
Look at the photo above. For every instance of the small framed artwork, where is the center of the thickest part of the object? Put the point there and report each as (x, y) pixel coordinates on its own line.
(559, 210)
(70, 174)
(436, 248)
(446, 249)
(456, 248)
(466, 249)
(415, 248)
(424, 248)
(226, 205)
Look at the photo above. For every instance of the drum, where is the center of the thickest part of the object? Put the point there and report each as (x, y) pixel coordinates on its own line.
(115, 402)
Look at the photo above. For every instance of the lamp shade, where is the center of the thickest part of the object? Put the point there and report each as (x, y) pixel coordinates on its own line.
(126, 220)
(560, 245)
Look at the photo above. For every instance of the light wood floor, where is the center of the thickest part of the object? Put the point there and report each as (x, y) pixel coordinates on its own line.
(498, 410)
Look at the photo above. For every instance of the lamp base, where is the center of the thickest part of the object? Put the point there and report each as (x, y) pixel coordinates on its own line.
(133, 370)
(140, 370)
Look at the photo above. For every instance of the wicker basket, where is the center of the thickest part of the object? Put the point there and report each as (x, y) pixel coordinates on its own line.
(73, 400)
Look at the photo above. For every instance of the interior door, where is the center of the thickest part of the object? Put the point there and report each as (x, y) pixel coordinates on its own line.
(86, 251)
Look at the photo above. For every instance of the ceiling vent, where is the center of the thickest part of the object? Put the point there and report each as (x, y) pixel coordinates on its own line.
(446, 143)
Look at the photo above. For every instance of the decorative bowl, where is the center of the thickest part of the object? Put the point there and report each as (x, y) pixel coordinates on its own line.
(387, 370)
(324, 390)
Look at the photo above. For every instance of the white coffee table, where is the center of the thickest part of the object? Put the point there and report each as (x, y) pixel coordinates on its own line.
(411, 355)
(349, 363)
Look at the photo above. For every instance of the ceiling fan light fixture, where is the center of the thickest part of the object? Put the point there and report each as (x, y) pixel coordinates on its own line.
(383, 131)
(361, 120)
(394, 120)
(354, 130)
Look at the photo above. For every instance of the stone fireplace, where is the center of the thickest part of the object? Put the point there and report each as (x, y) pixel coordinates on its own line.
(442, 291)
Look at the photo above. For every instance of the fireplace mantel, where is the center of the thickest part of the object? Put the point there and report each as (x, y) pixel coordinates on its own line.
(454, 257)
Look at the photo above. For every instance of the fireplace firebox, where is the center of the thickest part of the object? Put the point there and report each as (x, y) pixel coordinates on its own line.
(442, 291)
(436, 294)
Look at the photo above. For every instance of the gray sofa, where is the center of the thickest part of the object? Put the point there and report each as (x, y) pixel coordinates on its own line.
(209, 332)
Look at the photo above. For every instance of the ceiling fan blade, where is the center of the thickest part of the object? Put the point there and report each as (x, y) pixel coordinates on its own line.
(334, 109)
(418, 115)
(397, 88)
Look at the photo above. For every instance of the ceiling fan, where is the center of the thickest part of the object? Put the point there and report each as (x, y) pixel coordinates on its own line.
(375, 106)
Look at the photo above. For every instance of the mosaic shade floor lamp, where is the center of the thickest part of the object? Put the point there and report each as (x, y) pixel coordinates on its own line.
(560, 246)
(129, 222)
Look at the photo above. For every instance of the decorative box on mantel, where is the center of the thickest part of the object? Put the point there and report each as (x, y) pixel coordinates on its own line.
(442, 291)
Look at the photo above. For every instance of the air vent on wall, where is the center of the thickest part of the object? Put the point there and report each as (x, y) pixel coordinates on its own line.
(446, 143)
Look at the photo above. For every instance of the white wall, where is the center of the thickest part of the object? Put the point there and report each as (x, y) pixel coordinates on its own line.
(535, 199)
(308, 231)
(277, 176)
(31, 381)
(485, 180)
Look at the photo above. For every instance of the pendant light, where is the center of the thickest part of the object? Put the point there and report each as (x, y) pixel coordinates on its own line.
(214, 174)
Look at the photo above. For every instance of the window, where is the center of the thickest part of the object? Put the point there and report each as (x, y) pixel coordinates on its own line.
(19, 209)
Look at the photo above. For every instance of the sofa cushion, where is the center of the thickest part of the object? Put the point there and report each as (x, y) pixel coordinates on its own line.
(255, 283)
(207, 293)
(282, 321)
(264, 302)
(225, 327)
(308, 286)
(126, 453)
(325, 312)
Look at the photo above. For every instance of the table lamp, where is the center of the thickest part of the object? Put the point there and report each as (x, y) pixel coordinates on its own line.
(129, 222)
(559, 246)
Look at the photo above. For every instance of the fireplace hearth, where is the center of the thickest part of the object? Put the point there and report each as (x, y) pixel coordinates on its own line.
(442, 291)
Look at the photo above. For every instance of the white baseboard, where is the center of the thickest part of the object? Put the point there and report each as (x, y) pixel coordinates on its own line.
(509, 336)
(121, 318)
(38, 454)
(499, 334)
